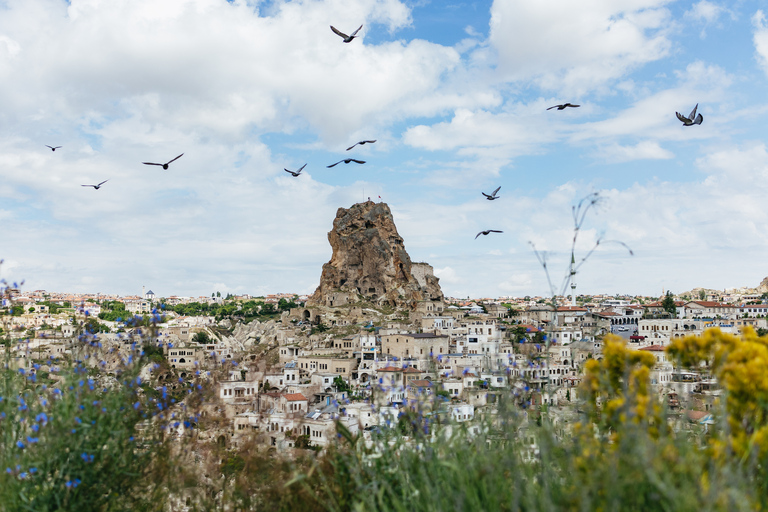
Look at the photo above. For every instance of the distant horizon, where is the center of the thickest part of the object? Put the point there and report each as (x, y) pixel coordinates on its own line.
(458, 298)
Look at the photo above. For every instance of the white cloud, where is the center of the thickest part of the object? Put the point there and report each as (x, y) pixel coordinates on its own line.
(211, 64)
(760, 39)
(496, 137)
(575, 49)
(120, 82)
(653, 116)
(708, 14)
(705, 12)
(644, 150)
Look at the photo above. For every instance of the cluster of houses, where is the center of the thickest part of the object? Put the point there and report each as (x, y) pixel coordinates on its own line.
(467, 356)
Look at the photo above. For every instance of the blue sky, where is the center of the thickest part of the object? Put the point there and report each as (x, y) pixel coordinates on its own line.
(456, 97)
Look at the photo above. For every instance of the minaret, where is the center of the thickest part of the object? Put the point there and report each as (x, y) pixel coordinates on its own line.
(573, 283)
(143, 292)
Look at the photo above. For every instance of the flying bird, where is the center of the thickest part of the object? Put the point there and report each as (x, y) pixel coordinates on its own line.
(492, 196)
(692, 118)
(487, 231)
(362, 142)
(346, 161)
(165, 165)
(96, 187)
(295, 174)
(563, 106)
(347, 38)
(52, 147)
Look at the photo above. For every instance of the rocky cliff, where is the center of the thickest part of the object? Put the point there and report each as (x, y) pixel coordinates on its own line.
(369, 259)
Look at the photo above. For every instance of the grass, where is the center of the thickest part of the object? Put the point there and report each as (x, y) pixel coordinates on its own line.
(73, 445)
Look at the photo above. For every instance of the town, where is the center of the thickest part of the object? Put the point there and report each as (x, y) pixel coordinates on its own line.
(376, 340)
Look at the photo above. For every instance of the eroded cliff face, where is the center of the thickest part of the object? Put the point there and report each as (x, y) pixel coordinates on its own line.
(369, 259)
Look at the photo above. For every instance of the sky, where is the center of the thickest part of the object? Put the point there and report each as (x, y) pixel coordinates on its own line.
(455, 95)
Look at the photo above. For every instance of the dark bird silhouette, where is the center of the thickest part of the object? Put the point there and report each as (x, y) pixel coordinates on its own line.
(692, 118)
(347, 38)
(487, 231)
(493, 194)
(295, 174)
(165, 165)
(96, 187)
(52, 147)
(563, 106)
(346, 161)
(362, 142)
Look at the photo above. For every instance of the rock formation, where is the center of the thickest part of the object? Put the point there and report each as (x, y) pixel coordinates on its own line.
(369, 259)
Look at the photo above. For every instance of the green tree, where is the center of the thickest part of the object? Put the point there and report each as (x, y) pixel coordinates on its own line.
(201, 337)
(669, 304)
(285, 305)
(94, 326)
(32, 309)
(341, 384)
(702, 295)
(519, 334)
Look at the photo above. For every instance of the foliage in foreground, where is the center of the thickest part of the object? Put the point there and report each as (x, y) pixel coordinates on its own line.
(625, 452)
(72, 438)
(77, 442)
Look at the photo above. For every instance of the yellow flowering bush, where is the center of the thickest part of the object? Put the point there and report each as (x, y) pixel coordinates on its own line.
(740, 364)
(618, 385)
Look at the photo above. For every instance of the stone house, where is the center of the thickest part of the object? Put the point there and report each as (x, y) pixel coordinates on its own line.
(185, 356)
(309, 364)
(414, 345)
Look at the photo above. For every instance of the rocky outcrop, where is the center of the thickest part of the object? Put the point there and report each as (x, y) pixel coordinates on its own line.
(763, 287)
(369, 259)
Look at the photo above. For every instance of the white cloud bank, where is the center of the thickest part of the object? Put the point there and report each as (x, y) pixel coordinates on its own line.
(574, 48)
